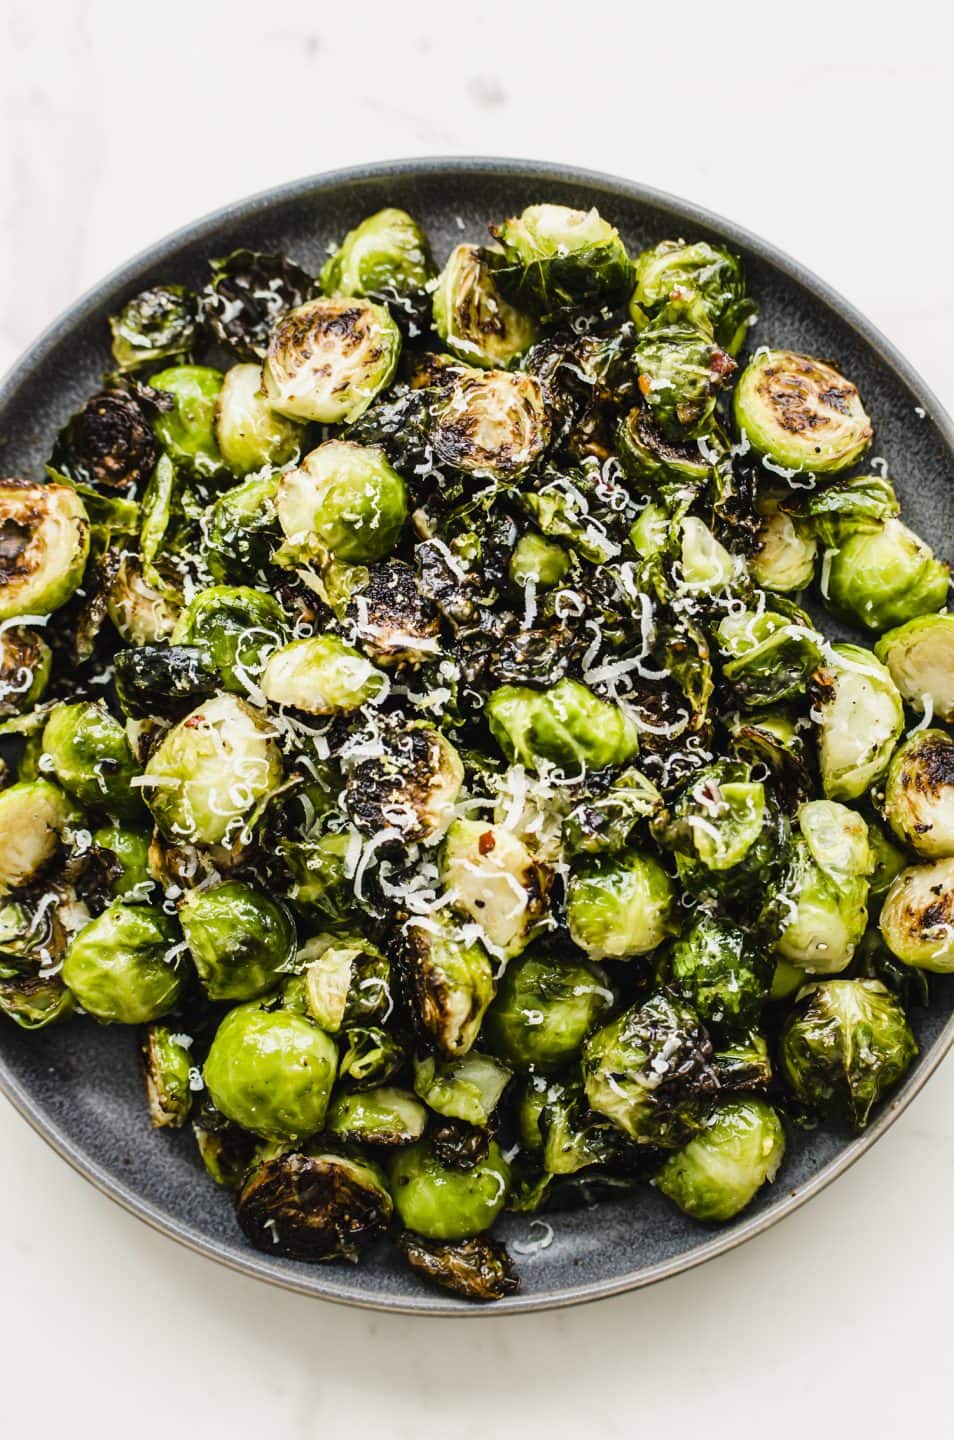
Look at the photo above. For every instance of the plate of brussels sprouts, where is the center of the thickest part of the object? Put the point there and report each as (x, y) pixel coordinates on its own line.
(476, 680)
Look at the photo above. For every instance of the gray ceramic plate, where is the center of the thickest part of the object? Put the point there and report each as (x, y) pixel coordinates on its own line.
(79, 1085)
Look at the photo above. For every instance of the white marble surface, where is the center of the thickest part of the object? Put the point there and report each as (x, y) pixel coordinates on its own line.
(825, 127)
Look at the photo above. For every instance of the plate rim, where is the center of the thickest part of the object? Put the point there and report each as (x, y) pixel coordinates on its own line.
(320, 1283)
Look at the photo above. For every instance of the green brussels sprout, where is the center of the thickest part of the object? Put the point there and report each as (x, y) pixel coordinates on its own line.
(25, 661)
(211, 771)
(90, 756)
(620, 905)
(544, 1009)
(787, 550)
(743, 1062)
(648, 456)
(408, 785)
(35, 1001)
(467, 1089)
(130, 847)
(227, 1151)
(33, 818)
(320, 1205)
(140, 612)
(321, 676)
(787, 980)
(844, 1045)
(919, 794)
(249, 433)
(701, 269)
(447, 982)
(346, 980)
(344, 500)
(537, 559)
(471, 316)
(917, 917)
(648, 1072)
(240, 940)
(604, 820)
(824, 895)
(123, 966)
(800, 413)
(885, 577)
(370, 1055)
(240, 529)
(768, 655)
(773, 738)
(382, 1116)
(167, 1070)
(715, 967)
(706, 566)
(566, 725)
(447, 1204)
(725, 829)
(318, 873)
(478, 1268)
(271, 1071)
(843, 506)
(681, 368)
(235, 628)
(557, 1127)
(497, 882)
(328, 359)
(920, 656)
(723, 1167)
(385, 258)
(187, 431)
(492, 423)
(557, 260)
(860, 718)
(158, 324)
(561, 510)
(46, 543)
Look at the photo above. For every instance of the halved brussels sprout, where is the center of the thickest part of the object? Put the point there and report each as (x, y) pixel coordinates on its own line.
(90, 756)
(801, 413)
(409, 785)
(648, 1071)
(210, 772)
(769, 654)
(240, 529)
(681, 368)
(33, 817)
(917, 917)
(382, 1116)
(187, 431)
(319, 1205)
(774, 738)
(446, 1204)
(605, 819)
(492, 423)
(919, 795)
(886, 576)
(468, 1089)
(706, 565)
(109, 444)
(124, 965)
(161, 679)
(271, 1071)
(920, 656)
(478, 1268)
(240, 940)
(544, 1009)
(537, 559)
(386, 257)
(321, 676)
(391, 618)
(35, 1001)
(844, 1045)
(369, 1056)
(742, 1063)
(620, 905)
(471, 316)
(247, 294)
(824, 895)
(725, 828)
(647, 455)
(158, 324)
(140, 612)
(345, 980)
(787, 550)
(235, 628)
(716, 967)
(249, 432)
(860, 717)
(130, 848)
(447, 982)
(166, 1068)
(25, 661)
(328, 359)
(496, 881)
(344, 500)
(566, 725)
(558, 1128)
(557, 260)
(44, 542)
(700, 269)
(722, 1168)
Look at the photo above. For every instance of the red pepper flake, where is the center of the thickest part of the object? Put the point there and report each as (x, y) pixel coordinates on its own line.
(486, 842)
(193, 722)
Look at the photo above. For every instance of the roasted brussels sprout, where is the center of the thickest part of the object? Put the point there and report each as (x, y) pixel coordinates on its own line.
(342, 500)
(716, 967)
(566, 725)
(319, 1205)
(346, 980)
(158, 324)
(44, 542)
(90, 756)
(124, 966)
(408, 785)
(187, 431)
(844, 1045)
(650, 457)
(235, 628)
(271, 1071)
(544, 1009)
(860, 717)
(109, 444)
(385, 258)
(768, 654)
(33, 818)
(620, 905)
(328, 359)
(787, 550)
(885, 577)
(920, 656)
(681, 368)
(35, 1001)
(917, 917)
(321, 676)
(468, 1089)
(605, 819)
(801, 413)
(557, 260)
(478, 1268)
(140, 612)
(725, 830)
(722, 1168)
(695, 269)
(446, 1204)
(162, 678)
(383, 1116)
(369, 1056)
(471, 316)
(492, 423)
(249, 433)
(130, 848)
(538, 560)
(447, 982)
(919, 794)
(824, 893)
(390, 617)
(240, 940)
(496, 881)
(247, 294)
(25, 661)
(240, 529)
(166, 1068)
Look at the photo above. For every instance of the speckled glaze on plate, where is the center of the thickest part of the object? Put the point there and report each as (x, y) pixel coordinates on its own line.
(79, 1084)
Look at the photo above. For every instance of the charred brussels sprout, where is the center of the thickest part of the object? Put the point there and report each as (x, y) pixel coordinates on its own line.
(320, 1205)
(35, 1001)
(496, 882)
(717, 969)
(468, 1089)
(477, 1269)
(391, 618)
(235, 628)
(271, 1071)
(844, 1045)
(25, 661)
(328, 359)
(446, 1204)
(241, 529)
(33, 818)
(471, 316)
(124, 965)
(919, 795)
(725, 829)
(801, 413)
(823, 898)
(787, 549)
(860, 718)
(130, 847)
(384, 1116)
(447, 982)
(620, 905)
(343, 500)
(544, 1009)
(249, 433)
(768, 654)
(409, 787)
(321, 676)
(920, 656)
(491, 423)
(157, 324)
(44, 542)
(681, 368)
(240, 940)
(647, 455)
(90, 756)
(109, 444)
(886, 576)
(210, 771)
(166, 1068)
(385, 258)
(649, 1072)
(917, 917)
(557, 260)
(162, 679)
(346, 980)
(187, 431)
(247, 294)
(722, 1168)
(695, 269)
(566, 725)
